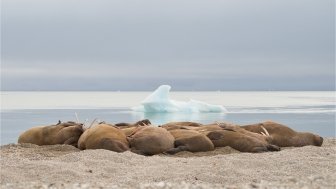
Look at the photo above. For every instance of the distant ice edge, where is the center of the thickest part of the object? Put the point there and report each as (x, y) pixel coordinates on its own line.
(159, 101)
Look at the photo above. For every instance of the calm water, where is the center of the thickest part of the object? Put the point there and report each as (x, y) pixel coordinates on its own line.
(302, 111)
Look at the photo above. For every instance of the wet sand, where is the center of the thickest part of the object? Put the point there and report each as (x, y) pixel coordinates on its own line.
(63, 166)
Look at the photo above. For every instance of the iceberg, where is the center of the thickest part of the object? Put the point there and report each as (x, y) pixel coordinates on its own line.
(159, 101)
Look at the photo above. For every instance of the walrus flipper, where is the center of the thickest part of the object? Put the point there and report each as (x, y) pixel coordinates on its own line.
(140, 152)
(72, 141)
(259, 149)
(112, 145)
(272, 147)
(176, 150)
(214, 135)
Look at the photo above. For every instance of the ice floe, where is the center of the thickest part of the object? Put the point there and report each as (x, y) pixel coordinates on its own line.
(159, 101)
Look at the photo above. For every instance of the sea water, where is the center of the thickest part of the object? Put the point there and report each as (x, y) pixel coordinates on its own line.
(303, 111)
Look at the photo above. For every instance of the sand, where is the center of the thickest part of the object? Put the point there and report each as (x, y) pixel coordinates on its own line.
(63, 166)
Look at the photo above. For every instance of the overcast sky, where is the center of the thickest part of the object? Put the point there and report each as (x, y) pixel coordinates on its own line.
(189, 44)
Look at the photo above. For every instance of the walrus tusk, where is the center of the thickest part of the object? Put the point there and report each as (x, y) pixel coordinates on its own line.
(145, 124)
(263, 133)
(266, 132)
(76, 117)
(93, 122)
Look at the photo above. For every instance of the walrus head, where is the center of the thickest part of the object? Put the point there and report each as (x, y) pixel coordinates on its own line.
(318, 140)
(144, 122)
(70, 132)
(303, 139)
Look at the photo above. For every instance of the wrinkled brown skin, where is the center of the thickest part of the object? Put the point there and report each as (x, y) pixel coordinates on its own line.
(207, 128)
(61, 133)
(103, 136)
(240, 141)
(138, 123)
(284, 136)
(150, 140)
(189, 140)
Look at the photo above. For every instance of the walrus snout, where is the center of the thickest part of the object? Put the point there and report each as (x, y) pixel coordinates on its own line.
(78, 130)
(319, 141)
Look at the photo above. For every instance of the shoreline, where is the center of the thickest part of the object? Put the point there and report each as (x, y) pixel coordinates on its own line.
(63, 166)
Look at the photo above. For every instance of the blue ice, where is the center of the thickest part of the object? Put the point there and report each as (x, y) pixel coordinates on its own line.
(159, 101)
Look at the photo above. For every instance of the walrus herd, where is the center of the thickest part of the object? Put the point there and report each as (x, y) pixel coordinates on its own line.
(146, 139)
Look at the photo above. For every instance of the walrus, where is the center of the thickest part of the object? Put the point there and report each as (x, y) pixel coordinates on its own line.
(181, 123)
(262, 135)
(150, 140)
(189, 140)
(219, 126)
(173, 127)
(138, 123)
(228, 134)
(284, 136)
(103, 136)
(60, 133)
(240, 141)
(201, 129)
(195, 126)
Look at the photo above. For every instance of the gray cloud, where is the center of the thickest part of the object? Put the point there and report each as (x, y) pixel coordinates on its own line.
(192, 45)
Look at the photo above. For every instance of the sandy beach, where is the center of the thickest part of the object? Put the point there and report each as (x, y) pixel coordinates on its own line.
(63, 166)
